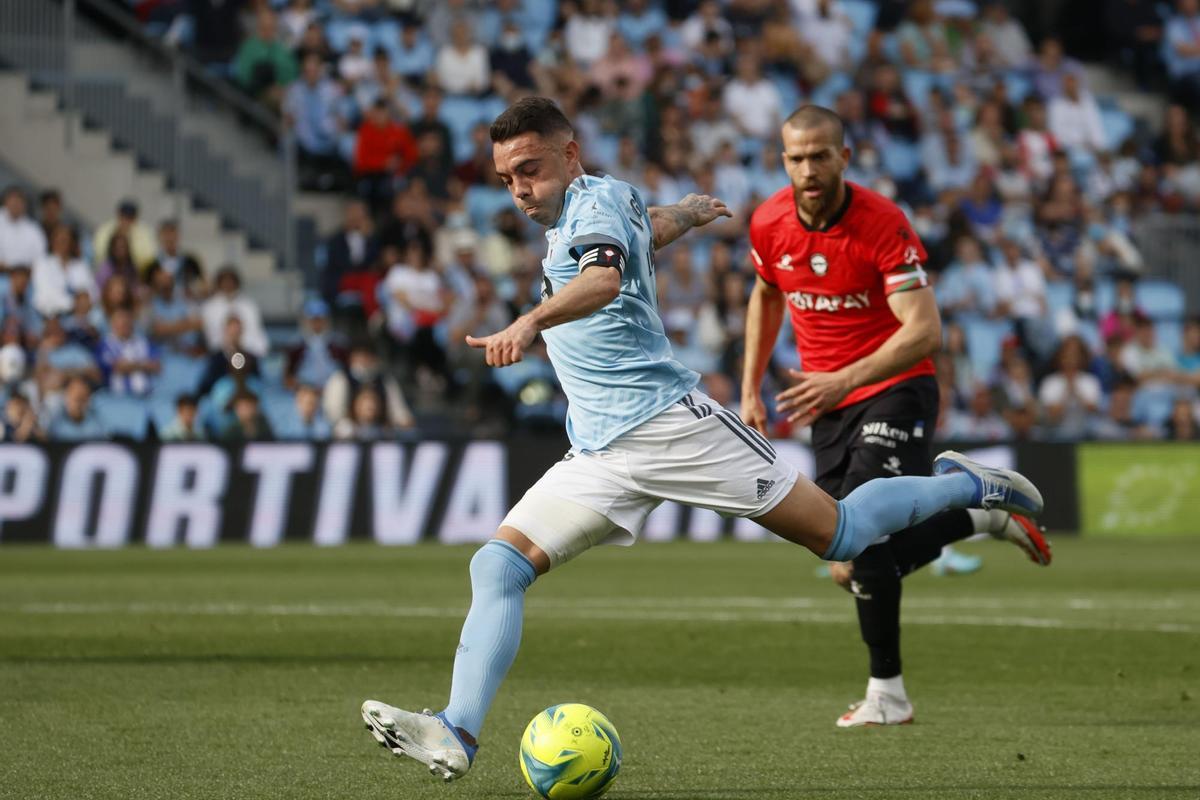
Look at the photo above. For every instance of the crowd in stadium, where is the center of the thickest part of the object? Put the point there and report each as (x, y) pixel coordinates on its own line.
(1024, 187)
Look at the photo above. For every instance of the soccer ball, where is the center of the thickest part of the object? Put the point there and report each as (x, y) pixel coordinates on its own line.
(570, 752)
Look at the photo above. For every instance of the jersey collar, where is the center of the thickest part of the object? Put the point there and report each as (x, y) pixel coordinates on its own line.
(835, 219)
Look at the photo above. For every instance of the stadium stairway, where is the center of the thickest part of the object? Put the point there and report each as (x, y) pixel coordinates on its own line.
(93, 175)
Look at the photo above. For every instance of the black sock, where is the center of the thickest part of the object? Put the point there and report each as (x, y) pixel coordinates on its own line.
(877, 600)
(915, 547)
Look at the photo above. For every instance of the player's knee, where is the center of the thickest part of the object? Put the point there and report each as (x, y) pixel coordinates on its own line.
(500, 567)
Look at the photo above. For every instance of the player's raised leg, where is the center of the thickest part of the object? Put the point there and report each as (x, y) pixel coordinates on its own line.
(840, 530)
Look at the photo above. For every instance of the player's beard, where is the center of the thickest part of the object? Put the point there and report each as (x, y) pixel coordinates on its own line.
(816, 207)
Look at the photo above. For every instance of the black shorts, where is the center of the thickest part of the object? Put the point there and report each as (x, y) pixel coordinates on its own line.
(883, 436)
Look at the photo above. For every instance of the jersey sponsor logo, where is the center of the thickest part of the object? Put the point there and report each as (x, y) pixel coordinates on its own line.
(892, 465)
(819, 264)
(833, 303)
(785, 264)
(883, 434)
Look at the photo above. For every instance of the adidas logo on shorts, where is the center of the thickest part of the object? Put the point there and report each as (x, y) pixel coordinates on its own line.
(764, 487)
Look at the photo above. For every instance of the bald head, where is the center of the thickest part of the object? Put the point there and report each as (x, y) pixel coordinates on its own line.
(809, 116)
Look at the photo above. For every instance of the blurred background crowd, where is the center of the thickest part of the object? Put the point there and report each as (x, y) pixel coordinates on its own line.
(1024, 184)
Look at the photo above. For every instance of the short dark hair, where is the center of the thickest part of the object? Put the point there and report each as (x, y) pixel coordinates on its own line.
(186, 400)
(811, 116)
(538, 115)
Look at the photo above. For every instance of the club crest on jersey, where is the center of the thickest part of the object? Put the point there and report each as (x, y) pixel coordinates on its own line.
(819, 264)
(785, 263)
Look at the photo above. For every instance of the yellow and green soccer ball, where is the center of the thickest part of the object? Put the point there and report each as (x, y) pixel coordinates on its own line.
(570, 752)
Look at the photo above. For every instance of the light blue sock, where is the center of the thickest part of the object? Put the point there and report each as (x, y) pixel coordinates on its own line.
(500, 574)
(887, 505)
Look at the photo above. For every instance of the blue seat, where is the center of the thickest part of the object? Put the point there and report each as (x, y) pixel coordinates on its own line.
(1106, 296)
(834, 86)
(1152, 405)
(917, 85)
(1169, 334)
(1018, 86)
(984, 338)
(339, 31)
(121, 415)
(461, 114)
(862, 14)
(902, 160)
(1161, 299)
(1118, 126)
(162, 413)
(180, 375)
(1059, 296)
(483, 203)
(280, 411)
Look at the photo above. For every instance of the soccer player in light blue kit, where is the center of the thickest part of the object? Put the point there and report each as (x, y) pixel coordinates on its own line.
(640, 430)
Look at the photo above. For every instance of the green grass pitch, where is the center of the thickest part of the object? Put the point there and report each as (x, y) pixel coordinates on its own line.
(237, 673)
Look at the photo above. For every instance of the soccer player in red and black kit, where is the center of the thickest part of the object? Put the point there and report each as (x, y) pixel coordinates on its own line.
(847, 265)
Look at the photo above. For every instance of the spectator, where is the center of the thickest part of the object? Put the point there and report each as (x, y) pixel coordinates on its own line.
(384, 150)
(185, 427)
(483, 315)
(50, 210)
(314, 43)
(229, 301)
(264, 65)
(21, 239)
(232, 359)
(890, 106)
(1009, 40)
(1119, 423)
(509, 60)
(216, 30)
(17, 311)
(1145, 359)
(1051, 67)
(248, 423)
(355, 65)
(414, 56)
(173, 321)
(58, 360)
(980, 422)
(1189, 359)
(364, 369)
(588, 31)
(76, 421)
(430, 122)
(1136, 28)
(713, 127)
(922, 39)
(462, 66)
(366, 421)
(1183, 52)
(352, 249)
(295, 19)
(86, 319)
(1182, 426)
(13, 377)
(639, 21)
(59, 274)
(753, 101)
(142, 249)
(1070, 397)
(707, 22)
(1179, 143)
(316, 357)
(1075, 117)
(1013, 394)
(128, 359)
(417, 301)
(967, 288)
(1037, 144)
(118, 262)
(184, 267)
(310, 108)
(20, 422)
(828, 31)
(310, 423)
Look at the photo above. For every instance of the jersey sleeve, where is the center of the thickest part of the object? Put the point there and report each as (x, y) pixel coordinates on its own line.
(598, 233)
(900, 256)
(760, 256)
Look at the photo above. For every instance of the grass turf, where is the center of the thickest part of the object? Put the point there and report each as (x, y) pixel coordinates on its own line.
(237, 673)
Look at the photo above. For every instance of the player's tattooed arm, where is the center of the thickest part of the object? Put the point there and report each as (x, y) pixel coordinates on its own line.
(693, 211)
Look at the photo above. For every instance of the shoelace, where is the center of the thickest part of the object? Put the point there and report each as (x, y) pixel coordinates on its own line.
(993, 491)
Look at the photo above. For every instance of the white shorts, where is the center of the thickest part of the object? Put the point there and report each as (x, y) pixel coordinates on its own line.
(695, 452)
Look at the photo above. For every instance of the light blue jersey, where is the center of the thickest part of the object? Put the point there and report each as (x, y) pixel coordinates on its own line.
(615, 364)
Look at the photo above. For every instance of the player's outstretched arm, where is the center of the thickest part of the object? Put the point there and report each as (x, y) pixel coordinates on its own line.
(763, 320)
(693, 211)
(590, 291)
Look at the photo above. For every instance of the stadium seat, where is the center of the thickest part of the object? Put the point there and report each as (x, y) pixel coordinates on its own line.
(902, 160)
(339, 31)
(1161, 300)
(1118, 126)
(862, 14)
(917, 85)
(162, 414)
(1152, 404)
(1106, 296)
(483, 203)
(461, 114)
(828, 92)
(984, 338)
(1059, 296)
(1169, 334)
(121, 415)
(1018, 86)
(180, 374)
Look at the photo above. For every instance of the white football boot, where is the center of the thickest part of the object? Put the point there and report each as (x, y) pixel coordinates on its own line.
(877, 709)
(1023, 532)
(426, 737)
